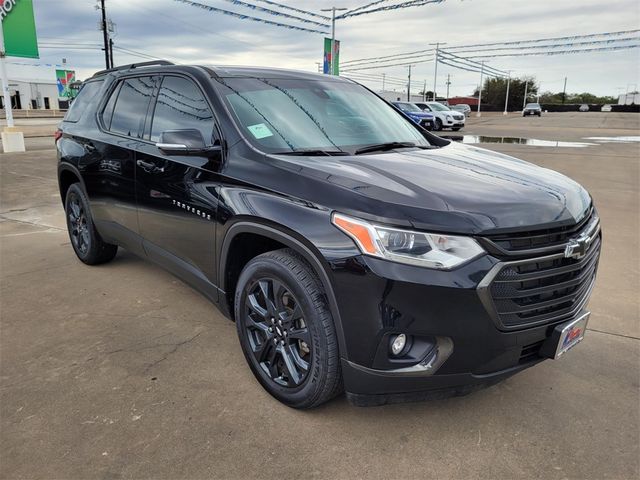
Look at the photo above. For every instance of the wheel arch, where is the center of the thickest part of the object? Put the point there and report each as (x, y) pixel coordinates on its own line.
(282, 237)
(68, 175)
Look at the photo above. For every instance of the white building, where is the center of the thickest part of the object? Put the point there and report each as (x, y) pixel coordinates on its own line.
(632, 98)
(34, 86)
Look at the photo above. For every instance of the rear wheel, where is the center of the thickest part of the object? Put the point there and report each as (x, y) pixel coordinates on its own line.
(286, 330)
(85, 240)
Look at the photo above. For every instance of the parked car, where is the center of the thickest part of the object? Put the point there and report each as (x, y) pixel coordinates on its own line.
(532, 109)
(462, 107)
(583, 108)
(353, 249)
(444, 117)
(606, 108)
(425, 120)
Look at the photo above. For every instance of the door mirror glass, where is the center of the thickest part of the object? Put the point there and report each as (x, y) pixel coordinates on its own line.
(187, 141)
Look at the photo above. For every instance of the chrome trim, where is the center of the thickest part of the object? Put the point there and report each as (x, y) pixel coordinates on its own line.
(484, 293)
(427, 366)
(171, 146)
(593, 224)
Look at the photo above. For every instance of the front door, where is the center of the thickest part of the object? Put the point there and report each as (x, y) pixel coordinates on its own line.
(176, 194)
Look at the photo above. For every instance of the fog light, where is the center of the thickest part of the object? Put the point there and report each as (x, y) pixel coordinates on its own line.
(398, 343)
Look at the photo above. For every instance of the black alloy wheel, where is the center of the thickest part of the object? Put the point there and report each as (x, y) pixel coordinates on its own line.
(78, 227)
(85, 240)
(286, 329)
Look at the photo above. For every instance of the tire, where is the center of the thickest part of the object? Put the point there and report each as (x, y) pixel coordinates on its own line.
(85, 240)
(290, 342)
(438, 125)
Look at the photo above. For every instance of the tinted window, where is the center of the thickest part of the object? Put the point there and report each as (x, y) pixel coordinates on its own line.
(88, 91)
(131, 106)
(107, 113)
(181, 105)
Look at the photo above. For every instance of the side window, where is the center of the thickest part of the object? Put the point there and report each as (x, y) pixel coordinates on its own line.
(181, 105)
(87, 93)
(107, 113)
(131, 106)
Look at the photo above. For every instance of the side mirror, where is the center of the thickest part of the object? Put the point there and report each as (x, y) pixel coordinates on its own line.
(187, 141)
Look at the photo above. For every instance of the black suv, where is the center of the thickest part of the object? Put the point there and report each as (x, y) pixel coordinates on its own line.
(353, 249)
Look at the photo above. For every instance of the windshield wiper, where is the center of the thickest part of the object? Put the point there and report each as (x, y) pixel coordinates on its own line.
(380, 147)
(312, 152)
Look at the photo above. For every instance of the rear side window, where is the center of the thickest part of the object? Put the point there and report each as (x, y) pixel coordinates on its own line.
(131, 106)
(181, 105)
(107, 113)
(87, 93)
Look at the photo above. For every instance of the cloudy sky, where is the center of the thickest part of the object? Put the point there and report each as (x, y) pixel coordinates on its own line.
(181, 33)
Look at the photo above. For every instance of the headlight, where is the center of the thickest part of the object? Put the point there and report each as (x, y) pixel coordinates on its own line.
(430, 250)
(448, 118)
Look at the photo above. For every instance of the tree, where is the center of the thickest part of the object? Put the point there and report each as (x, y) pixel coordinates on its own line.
(494, 91)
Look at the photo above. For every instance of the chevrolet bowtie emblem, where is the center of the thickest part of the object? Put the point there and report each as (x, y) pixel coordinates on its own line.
(577, 247)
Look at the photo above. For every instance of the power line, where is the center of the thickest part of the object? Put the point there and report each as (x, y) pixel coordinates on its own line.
(561, 52)
(287, 7)
(456, 58)
(369, 67)
(247, 17)
(551, 45)
(413, 3)
(402, 56)
(449, 48)
(274, 12)
(574, 37)
(362, 7)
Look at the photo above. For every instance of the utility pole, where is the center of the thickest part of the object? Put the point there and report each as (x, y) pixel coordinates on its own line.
(448, 83)
(564, 90)
(506, 97)
(409, 86)
(111, 52)
(526, 86)
(480, 90)
(435, 71)
(105, 35)
(333, 11)
(5, 81)
(424, 92)
(383, 79)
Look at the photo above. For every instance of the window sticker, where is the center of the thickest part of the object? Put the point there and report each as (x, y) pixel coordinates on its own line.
(260, 130)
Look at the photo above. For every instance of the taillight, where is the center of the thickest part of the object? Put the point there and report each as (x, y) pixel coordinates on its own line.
(57, 135)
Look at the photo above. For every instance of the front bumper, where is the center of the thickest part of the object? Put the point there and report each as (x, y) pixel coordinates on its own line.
(377, 298)
(454, 123)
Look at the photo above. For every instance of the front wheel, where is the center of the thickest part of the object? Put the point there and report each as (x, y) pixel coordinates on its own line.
(438, 125)
(286, 330)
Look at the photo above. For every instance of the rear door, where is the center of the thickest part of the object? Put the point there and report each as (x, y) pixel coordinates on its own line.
(110, 175)
(176, 195)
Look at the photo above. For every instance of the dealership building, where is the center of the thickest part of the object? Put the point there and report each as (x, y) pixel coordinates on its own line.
(38, 86)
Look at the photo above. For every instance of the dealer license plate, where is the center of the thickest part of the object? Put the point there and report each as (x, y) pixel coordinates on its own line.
(571, 333)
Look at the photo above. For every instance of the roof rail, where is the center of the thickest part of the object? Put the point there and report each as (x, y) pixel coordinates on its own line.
(134, 65)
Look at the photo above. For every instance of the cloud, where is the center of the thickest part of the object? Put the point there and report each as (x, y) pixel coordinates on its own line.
(167, 29)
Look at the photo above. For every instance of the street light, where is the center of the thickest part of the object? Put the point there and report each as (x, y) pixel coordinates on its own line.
(333, 11)
(506, 98)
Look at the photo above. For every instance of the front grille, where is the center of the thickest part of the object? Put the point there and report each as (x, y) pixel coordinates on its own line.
(539, 241)
(541, 290)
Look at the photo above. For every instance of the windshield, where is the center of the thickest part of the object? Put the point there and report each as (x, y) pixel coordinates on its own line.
(438, 107)
(534, 105)
(408, 107)
(285, 115)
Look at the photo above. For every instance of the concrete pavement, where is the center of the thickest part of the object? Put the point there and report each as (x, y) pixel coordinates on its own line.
(123, 371)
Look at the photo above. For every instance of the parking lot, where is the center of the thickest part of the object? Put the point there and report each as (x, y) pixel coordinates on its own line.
(123, 371)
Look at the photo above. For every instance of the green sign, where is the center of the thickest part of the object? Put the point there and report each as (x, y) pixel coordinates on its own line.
(19, 28)
(331, 58)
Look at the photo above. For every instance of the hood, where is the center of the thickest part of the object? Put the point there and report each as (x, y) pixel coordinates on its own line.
(456, 188)
(419, 114)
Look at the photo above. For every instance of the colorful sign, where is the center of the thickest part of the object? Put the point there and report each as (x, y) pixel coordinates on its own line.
(19, 28)
(331, 57)
(64, 79)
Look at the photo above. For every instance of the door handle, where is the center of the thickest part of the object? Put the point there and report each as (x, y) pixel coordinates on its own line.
(150, 167)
